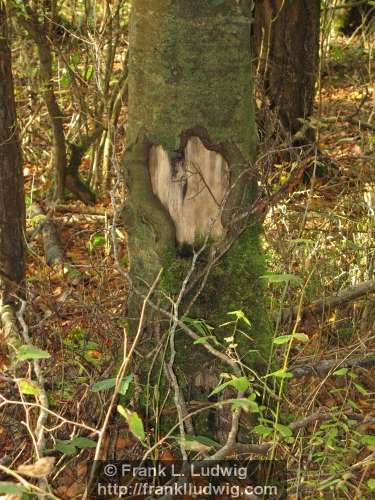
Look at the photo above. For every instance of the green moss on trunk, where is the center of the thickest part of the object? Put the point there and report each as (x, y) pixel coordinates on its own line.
(190, 66)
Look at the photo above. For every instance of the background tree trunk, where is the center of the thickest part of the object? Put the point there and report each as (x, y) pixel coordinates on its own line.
(358, 17)
(12, 204)
(191, 144)
(287, 44)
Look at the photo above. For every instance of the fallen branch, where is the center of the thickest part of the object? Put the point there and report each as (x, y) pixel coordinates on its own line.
(325, 305)
(11, 333)
(361, 124)
(51, 243)
(327, 365)
(85, 210)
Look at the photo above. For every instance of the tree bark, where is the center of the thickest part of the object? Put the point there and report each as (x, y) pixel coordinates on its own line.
(191, 145)
(286, 35)
(12, 203)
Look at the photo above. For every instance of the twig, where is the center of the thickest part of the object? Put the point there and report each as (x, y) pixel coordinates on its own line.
(120, 375)
(6, 401)
(39, 430)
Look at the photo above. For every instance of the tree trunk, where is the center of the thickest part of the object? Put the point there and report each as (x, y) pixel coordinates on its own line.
(12, 203)
(191, 144)
(358, 17)
(38, 30)
(287, 44)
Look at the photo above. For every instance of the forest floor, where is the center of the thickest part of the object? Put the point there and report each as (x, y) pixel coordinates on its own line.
(323, 235)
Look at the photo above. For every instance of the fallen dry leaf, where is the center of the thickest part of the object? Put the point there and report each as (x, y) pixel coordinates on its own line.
(41, 468)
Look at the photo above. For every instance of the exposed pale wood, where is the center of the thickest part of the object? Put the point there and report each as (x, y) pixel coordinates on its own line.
(192, 189)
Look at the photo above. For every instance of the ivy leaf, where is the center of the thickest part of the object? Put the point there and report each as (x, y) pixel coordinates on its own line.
(26, 352)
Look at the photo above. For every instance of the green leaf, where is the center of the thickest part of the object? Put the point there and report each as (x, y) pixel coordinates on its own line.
(240, 383)
(96, 240)
(368, 440)
(29, 387)
(302, 337)
(134, 421)
(88, 73)
(370, 484)
(12, 488)
(283, 339)
(281, 278)
(282, 373)
(362, 390)
(284, 430)
(65, 80)
(240, 315)
(262, 430)
(220, 388)
(31, 352)
(203, 340)
(104, 385)
(341, 372)
(124, 384)
(246, 405)
(65, 447)
(83, 442)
